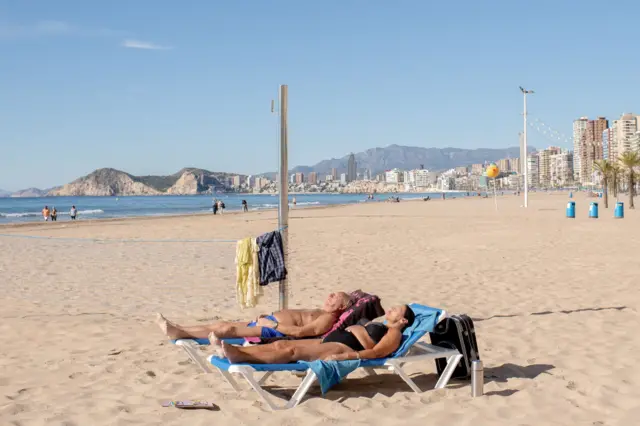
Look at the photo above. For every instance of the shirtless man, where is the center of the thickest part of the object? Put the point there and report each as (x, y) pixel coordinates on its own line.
(288, 322)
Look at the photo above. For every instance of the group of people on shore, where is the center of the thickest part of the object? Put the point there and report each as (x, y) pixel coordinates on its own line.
(307, 334)
(52, 214)
(219, 206)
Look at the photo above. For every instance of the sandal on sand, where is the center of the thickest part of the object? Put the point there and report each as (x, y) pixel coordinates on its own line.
(196, 404)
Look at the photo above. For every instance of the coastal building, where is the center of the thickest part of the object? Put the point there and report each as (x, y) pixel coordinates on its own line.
(352, 168)
(299, 178)
(544, 165)
(380, 177)
(343, 178)
(591, 148)
(462, 170)
(419, 178)
(533, 170)
(561, 169)
(504, 164)
(608, 143)
(634, 141)
(334, 173)
(514, 165)
(236, 181)
(312, 178)
(477, 169)
(579, 127)
(447, 180)
(292, 178)
(624, 129)
(394, 176)
(329, 178)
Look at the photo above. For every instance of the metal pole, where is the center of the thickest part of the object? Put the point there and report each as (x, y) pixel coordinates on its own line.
(526, 159)
(283, 206)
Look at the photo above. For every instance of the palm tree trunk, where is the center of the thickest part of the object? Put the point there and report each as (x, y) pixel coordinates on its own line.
(605, 193)
(631, 183)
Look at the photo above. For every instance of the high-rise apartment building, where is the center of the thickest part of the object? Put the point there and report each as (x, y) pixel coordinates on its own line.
(579, 127)
(312, 178)
(352, 168)
(515, 165)
(624, 129)
(634, 141)
(394, 176)
(504, 165)
(609, 150)
(299, 178)
(334, 173)
(477, 169)
(591, 147)
(533, 170)
(561, 169)
(544, 165)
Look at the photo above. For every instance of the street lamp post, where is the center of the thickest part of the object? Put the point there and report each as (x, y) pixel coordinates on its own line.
(526, 160)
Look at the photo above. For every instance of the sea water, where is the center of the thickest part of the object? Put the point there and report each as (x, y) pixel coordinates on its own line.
(29, 209)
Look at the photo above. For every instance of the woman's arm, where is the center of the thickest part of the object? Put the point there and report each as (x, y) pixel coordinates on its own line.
(388, 345)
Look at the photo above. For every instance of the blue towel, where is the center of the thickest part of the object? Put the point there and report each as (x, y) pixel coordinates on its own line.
(426, 320)
(330, 373)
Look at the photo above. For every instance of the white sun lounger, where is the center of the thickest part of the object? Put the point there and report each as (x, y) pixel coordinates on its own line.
(419, 351)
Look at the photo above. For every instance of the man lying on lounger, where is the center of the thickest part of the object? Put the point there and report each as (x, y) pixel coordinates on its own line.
(288, 322)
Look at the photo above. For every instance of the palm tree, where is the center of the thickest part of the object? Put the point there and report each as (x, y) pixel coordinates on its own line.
(615, 174)
(604, 167)
(630, 160)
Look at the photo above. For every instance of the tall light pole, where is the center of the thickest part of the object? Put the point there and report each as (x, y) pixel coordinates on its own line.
(524, 143)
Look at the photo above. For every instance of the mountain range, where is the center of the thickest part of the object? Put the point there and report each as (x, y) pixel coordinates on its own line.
(190, 180)
(411, 157)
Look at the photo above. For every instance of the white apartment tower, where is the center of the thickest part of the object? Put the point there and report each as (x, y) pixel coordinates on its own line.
(625, 129)
(579, 128)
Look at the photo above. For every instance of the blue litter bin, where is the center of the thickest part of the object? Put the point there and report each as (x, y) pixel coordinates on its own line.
(618, 213)
(593, 210)
(571, 209)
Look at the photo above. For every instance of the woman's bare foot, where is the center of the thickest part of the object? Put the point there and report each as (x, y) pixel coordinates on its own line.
(216, 343)
(171, 330)
(233, 354)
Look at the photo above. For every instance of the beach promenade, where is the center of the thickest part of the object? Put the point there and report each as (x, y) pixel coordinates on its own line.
(555, 302)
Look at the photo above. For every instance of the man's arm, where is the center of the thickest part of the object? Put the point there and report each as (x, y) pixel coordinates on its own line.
(319, 326)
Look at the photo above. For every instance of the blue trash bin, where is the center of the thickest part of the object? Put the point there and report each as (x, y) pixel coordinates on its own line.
(593, 210)
(618, 213)
(571, 209)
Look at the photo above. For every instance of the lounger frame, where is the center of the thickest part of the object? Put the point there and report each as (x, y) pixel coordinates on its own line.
(420, 351)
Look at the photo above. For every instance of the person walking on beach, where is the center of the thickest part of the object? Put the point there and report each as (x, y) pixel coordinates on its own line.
(46, 213)
(215, 206)
(73, 213)
(54, 214)
(245, 208)
(222, 206)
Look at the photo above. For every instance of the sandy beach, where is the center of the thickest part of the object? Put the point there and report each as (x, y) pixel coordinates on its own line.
(555, 303)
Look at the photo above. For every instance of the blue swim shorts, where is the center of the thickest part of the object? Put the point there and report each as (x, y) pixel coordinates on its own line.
(266, 331)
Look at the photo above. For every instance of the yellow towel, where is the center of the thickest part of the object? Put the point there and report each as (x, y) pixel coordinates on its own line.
(248, 287)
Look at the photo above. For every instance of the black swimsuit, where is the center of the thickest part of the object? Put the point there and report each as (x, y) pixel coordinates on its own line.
(375, 330)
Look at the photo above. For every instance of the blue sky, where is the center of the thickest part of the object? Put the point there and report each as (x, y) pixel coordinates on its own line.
(152, 86)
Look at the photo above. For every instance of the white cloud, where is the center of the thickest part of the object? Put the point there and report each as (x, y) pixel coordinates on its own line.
(138, 44)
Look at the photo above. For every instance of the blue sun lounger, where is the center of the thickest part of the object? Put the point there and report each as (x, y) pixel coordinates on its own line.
(411, 350)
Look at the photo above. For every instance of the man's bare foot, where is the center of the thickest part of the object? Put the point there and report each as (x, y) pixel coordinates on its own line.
(168, 328)
(232, 353)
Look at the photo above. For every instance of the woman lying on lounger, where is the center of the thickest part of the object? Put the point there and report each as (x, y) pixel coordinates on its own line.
(374, 340)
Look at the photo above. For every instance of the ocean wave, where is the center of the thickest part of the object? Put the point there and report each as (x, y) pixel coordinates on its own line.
(36, 214)
(308, 203)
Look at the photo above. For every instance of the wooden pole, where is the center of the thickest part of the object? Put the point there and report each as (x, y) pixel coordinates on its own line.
(283, 183)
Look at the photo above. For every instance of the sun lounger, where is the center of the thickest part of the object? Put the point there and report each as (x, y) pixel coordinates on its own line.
(411, 350)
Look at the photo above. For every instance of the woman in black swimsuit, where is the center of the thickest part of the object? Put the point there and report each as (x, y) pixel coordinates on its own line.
(373, 340)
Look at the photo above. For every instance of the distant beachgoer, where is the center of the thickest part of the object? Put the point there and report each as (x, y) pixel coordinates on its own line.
(222, 206)
(215, 206)
(443, 196)
(46, 214)
(294, 201)
(73, 213)
(245, 207)
(54, 214)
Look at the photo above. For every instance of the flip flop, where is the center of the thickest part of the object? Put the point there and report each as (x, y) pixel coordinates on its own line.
(188, 404)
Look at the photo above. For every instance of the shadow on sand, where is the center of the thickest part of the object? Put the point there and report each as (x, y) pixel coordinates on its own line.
(389, 384)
